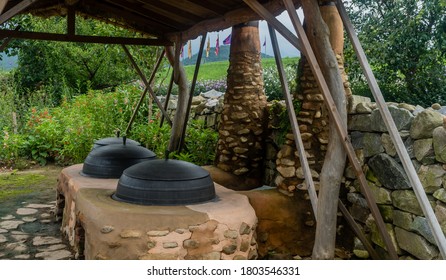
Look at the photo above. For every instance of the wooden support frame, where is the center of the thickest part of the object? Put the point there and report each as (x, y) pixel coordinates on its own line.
(147, 86)
(301, 150)
(71, 20)
(82, 38)
(393, 132)
(192, 89)
(293, 120)
(6, 41)
(3, 5)
(335, 117)
(15, 10)
(342, 131)
(169, 92)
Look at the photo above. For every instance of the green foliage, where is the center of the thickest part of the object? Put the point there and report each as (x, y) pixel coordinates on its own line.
(279, 119)
(7, 104)
(68, 69)
(405, 42)
(272, 85)
(65, 134)
(201, 143)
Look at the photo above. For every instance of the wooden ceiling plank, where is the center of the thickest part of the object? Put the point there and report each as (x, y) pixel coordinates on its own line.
(15, 10)
(192, 8)
(144, 24)
(141, 11)
(82, 38)
(172, 10)
(215, 7)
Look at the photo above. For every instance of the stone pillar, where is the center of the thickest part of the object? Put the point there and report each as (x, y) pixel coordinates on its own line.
(241, 135)
(313, 116)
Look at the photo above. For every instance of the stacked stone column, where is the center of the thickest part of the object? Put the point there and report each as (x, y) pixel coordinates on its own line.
(313, 124)
(240, 148)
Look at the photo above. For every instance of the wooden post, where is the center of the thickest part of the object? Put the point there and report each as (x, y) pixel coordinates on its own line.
(180, 79)
(393, 132)
(166, 102)
(302, 156)
(192, 89)
(14, 122)
(293, 120)
(148, 87)
(15, 10)
(71, 20)
(342, 131)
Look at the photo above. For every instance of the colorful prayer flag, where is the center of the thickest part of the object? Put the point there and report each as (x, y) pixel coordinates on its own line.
(227, 41)
(189, 50)
(208, 47)
(217, 45)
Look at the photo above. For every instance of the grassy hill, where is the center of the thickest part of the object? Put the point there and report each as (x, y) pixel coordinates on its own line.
(223, 55)
(218, 70)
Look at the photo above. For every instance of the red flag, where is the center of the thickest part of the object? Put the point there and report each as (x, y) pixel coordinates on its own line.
(227, 41)
(217, 45)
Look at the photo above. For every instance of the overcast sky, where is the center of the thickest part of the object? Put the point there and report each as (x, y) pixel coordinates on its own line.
(286, 49)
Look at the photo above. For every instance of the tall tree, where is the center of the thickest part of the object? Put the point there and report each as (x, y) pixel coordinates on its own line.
(405, 41)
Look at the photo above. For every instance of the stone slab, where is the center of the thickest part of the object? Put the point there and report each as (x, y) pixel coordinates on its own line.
(10, 224)
(26, 211)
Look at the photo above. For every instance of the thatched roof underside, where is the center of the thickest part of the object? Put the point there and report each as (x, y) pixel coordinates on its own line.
(161, 19)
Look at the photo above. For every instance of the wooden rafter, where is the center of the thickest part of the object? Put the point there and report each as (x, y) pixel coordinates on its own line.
(82, 38)
(71, 20)
(15, 10)
(3, 5)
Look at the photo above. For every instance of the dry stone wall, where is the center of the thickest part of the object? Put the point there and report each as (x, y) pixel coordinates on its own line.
(423, 132)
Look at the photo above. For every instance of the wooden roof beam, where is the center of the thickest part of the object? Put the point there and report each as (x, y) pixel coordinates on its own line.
(230, 19)
(3, 5)
(83, 38)
(15, 10)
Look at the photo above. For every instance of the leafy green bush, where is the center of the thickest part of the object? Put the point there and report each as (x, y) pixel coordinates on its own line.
(65, 134)
(272, 85)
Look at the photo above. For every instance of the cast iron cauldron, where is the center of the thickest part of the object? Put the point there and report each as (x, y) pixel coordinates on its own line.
(111, 160)
(165, 182)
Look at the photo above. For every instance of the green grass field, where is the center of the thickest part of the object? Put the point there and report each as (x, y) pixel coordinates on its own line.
(218, 70)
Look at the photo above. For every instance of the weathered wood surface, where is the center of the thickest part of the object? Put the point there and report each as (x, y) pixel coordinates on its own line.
(335, 158)
(293, 120)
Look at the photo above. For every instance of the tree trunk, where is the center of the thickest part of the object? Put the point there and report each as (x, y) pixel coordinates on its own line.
(183, 96)
(240, 146)
(335, 158)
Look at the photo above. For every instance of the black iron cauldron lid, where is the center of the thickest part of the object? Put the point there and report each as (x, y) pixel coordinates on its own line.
(111, 160)
(116, 140)
(166, 170)
(165, 182)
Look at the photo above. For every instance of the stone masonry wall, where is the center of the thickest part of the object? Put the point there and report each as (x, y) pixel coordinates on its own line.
(424, 134)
